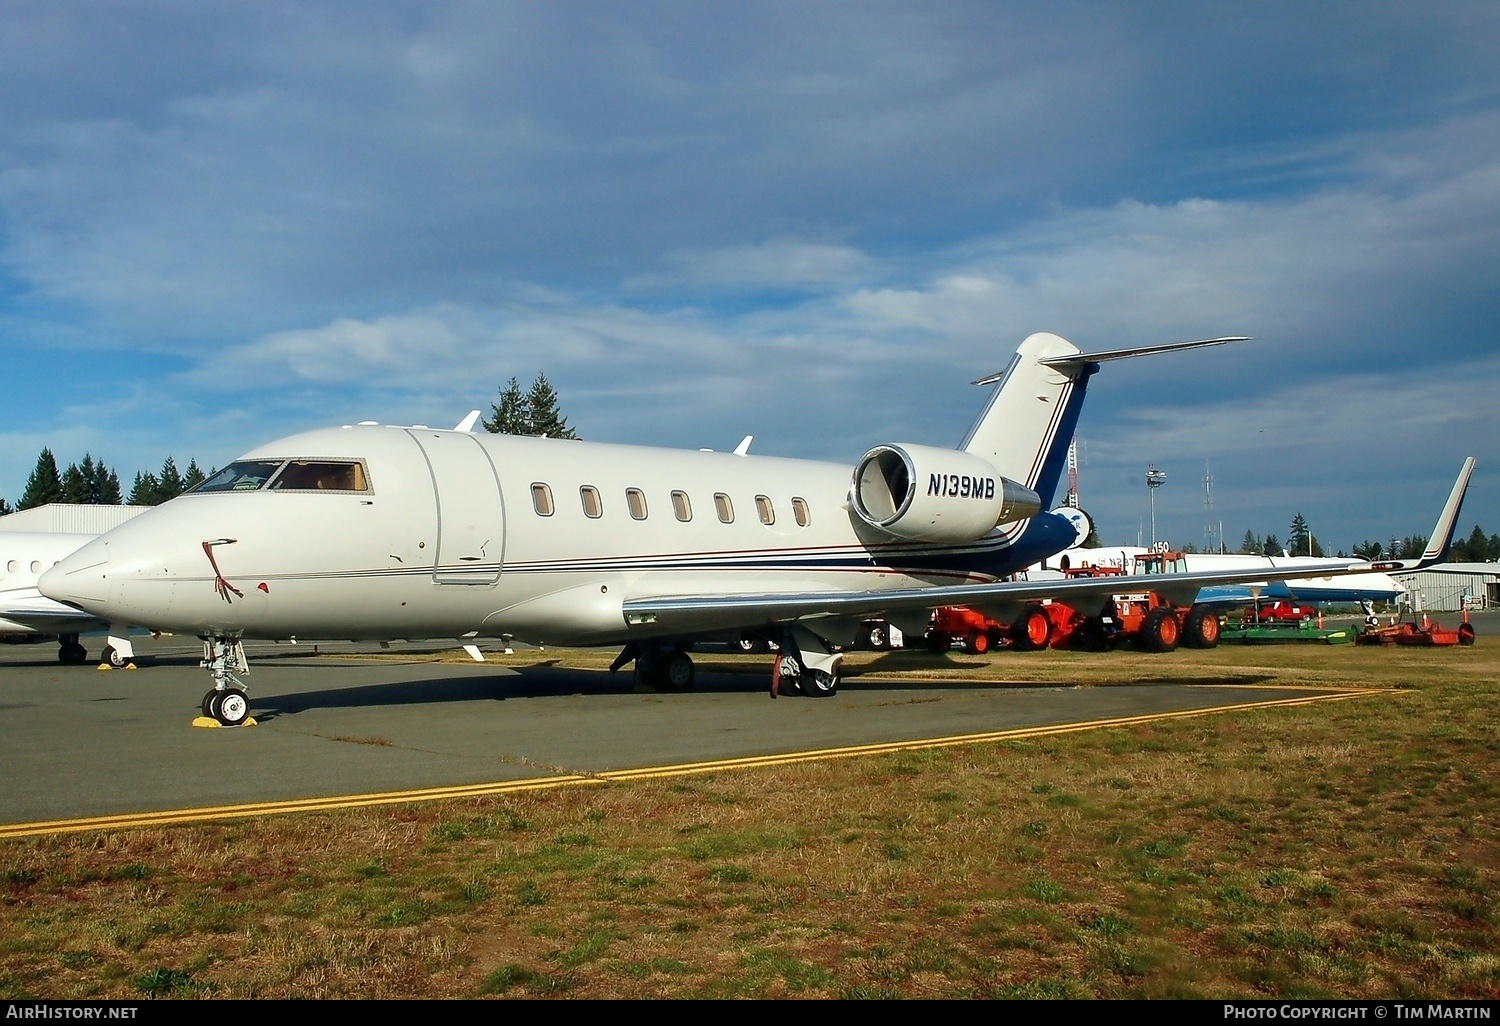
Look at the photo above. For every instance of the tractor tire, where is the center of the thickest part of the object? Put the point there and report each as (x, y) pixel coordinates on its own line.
(1201, 629)
(1032, 630)
(1161, 631)
(1091, 635)
(979, 644)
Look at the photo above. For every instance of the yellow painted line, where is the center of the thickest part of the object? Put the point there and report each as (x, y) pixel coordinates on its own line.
(179, 817)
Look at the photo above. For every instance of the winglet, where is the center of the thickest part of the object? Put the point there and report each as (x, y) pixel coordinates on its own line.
(743, 448)
(467, 424)
(1442, 532)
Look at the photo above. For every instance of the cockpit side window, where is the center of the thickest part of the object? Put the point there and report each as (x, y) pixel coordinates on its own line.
(244, 476)
(322, 476)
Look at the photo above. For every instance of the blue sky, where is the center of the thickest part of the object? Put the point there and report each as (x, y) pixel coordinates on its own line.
(223, 223)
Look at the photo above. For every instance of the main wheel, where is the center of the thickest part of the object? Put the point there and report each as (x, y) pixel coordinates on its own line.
(71, 653)
(877, 638)
(938, 642)
(1032, 630)
(978, 644)
(751, 644)
(677, 673)
(1201, 629)
(207, 706)
(1160, 632)
(818, 684)
(232, 707)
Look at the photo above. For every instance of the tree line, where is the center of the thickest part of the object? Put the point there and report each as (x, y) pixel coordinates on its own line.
(92, 482)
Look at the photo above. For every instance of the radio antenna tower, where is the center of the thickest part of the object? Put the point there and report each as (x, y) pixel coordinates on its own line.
(1208, 505)
(1071, 500)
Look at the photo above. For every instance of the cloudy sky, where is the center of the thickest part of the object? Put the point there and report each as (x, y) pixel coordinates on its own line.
(814, 223)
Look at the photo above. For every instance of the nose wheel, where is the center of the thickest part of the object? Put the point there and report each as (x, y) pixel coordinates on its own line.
(230, 707)
(228, 704)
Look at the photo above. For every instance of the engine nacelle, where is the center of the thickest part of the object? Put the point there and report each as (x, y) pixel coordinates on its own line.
(922, 493)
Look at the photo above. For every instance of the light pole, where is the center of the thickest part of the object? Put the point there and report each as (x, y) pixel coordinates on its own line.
(1154, 480)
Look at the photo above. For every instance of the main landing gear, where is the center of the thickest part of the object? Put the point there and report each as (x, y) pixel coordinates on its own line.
(228, 704)
(804, 661)
(808, 663)
(70, 652)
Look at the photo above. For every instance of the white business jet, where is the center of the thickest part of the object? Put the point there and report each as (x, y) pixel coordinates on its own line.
(25, 613)
(384, 532)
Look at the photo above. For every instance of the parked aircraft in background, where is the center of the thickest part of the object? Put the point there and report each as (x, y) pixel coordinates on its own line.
(385, 532)
(1366, 586)
(25, 613)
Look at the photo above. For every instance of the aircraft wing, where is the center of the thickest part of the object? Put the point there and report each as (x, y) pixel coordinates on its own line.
(703, 613)
(31, 611)
(692, 613)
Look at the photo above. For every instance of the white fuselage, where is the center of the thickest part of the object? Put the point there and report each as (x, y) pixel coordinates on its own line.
(449, 538)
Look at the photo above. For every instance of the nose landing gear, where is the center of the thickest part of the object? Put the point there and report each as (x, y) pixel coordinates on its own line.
(228, 704)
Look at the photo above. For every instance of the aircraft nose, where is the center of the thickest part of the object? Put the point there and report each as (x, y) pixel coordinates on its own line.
(81, 579)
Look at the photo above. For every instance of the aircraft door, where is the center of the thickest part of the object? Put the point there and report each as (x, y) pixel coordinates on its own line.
(471, 512)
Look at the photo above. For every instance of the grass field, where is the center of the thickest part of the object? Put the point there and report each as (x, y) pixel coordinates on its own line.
(1340, 849)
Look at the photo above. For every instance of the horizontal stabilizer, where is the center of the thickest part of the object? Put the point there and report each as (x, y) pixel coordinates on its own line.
(1125, 354)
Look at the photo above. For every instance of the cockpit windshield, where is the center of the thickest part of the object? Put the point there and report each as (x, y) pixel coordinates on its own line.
(322, 475)
(245, 476)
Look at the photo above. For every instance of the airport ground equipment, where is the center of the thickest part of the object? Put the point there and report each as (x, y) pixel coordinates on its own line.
(1286, 633)
(1423, 633)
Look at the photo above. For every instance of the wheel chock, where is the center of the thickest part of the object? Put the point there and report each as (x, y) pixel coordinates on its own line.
(130, 666)
(209, 722)
(105, 667)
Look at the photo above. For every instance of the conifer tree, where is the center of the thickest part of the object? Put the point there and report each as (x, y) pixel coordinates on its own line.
(543, 417)
(5, 509)
(1251, 545)
(193, 476)
(508, 416)
(106, 485)
(144, 492)
(44, 485)
(75, 486)
(1270, 547)
(169, 483)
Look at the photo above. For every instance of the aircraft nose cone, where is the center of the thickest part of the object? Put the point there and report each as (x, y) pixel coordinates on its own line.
(81, 579)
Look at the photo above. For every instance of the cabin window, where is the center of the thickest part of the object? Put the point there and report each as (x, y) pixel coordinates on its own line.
(763, 507)
(321, 476)
(800, 511)
(36, 566)
(682, 507)
(541, 500)
(244, 476)
(635, 499)
(592, 507)
(725, 508)
(12, 566)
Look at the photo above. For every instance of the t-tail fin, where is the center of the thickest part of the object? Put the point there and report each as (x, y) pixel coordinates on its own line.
(1025, 428)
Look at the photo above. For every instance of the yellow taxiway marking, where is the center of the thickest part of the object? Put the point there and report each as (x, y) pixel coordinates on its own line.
(222, 812)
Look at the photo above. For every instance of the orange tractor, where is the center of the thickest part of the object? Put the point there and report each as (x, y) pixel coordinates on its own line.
(1141, 616)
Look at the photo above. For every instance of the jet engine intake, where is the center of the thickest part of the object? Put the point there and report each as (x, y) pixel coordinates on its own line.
(922, 493)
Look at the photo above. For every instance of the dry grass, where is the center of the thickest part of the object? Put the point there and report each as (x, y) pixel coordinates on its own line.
(1342, 849)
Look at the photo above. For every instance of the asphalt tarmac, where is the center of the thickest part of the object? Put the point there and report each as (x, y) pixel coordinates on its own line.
(76, 742)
